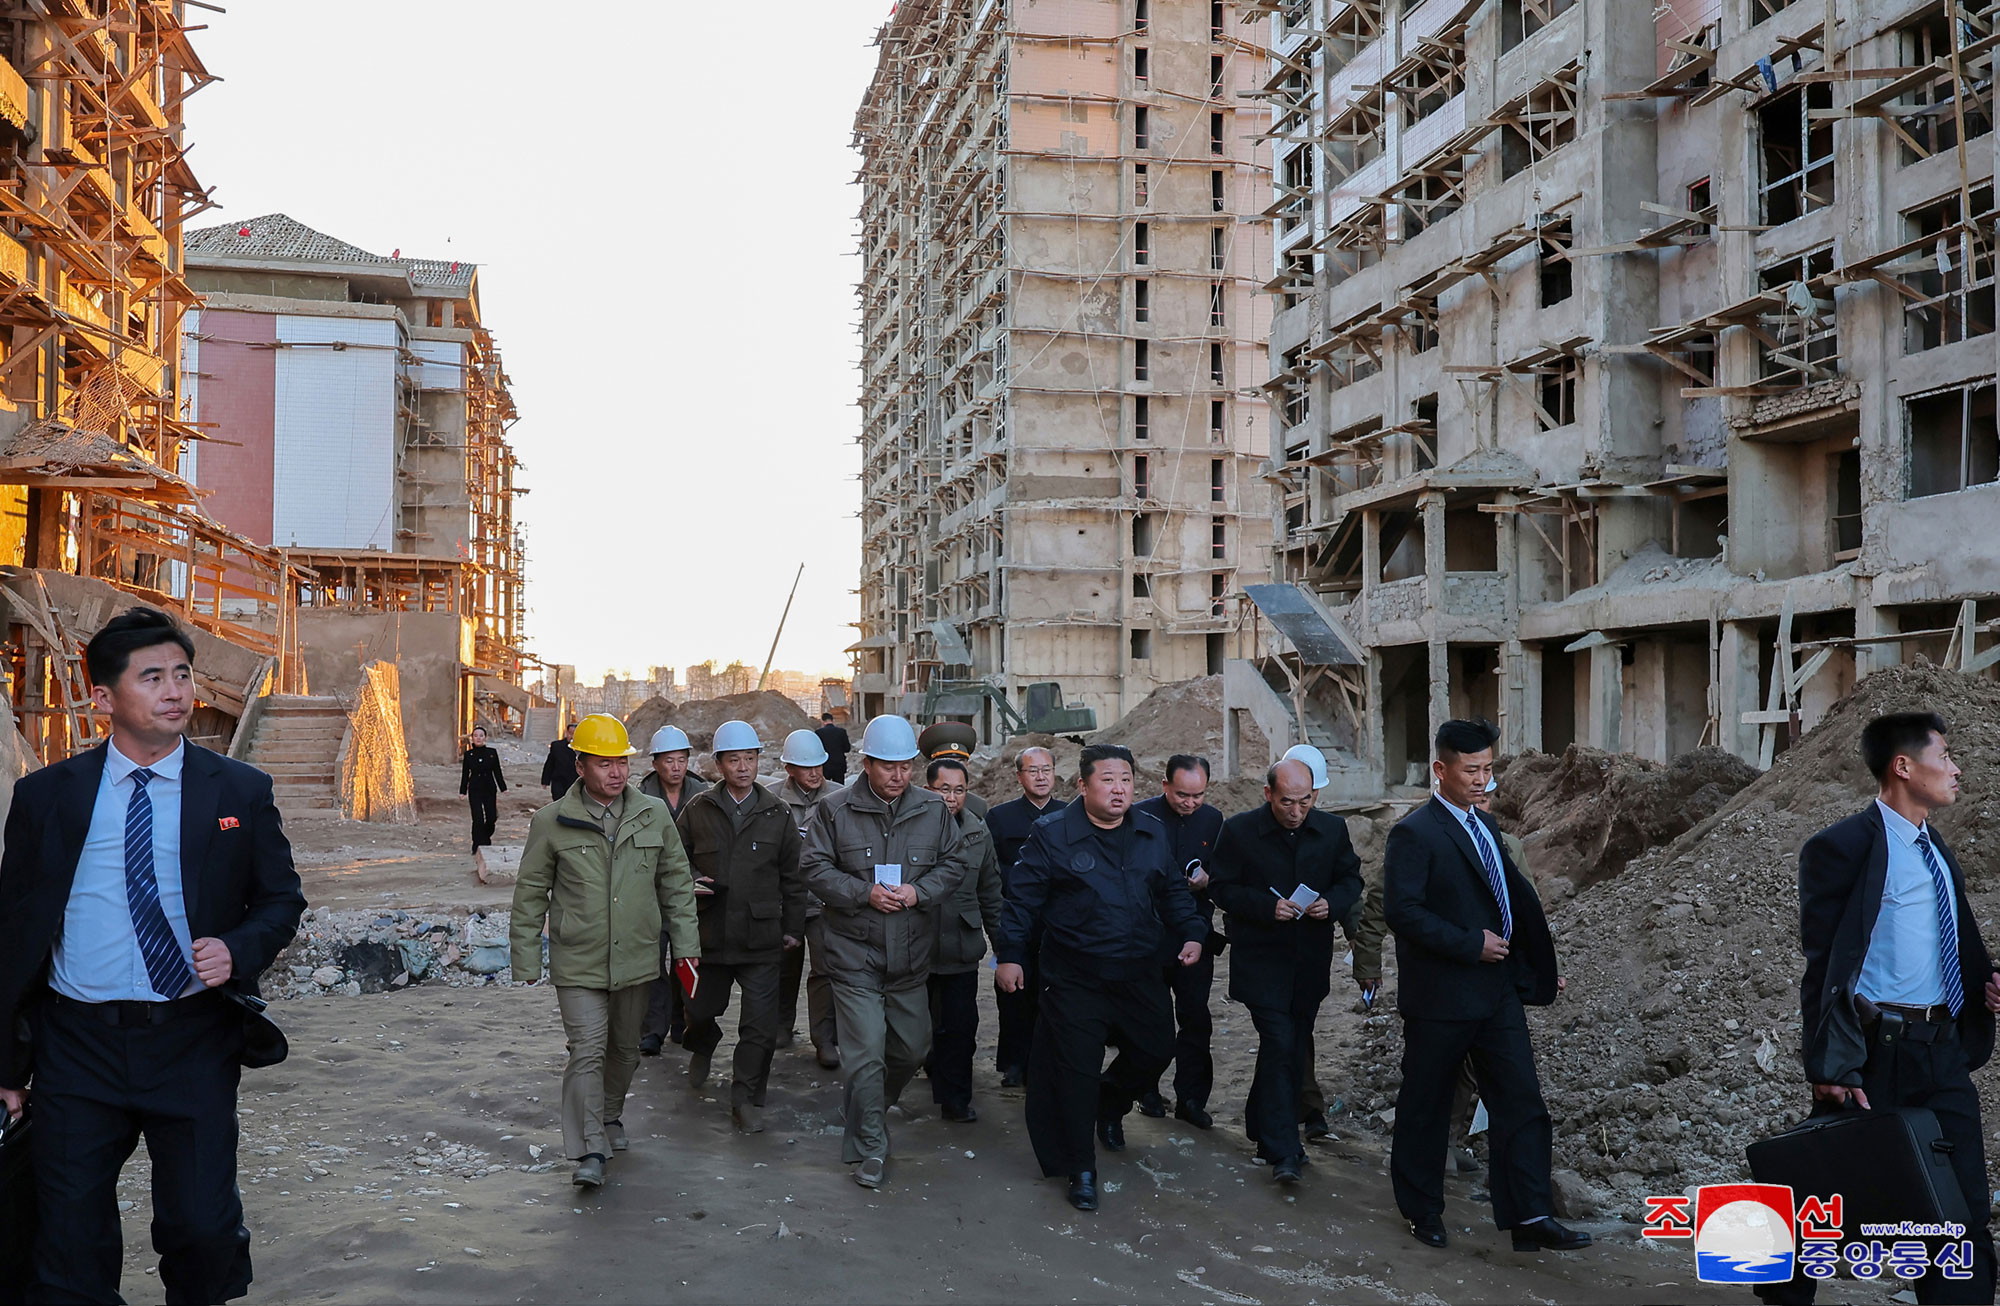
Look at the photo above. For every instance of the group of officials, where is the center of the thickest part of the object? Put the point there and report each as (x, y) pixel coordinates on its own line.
(146, 882)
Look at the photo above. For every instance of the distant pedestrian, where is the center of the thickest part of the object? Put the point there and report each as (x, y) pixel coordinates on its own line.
(672, 783)
(1473, 950)
(559, 768)
(1899, 990)
(1010, 823)
(1099, 879)
(604, 868)
(481, 783)
(147, 883)
(966, 920)
(833, 736)
(805, 788)
(751, 899)
(1284, 873)
(877, 853)
(1192, 825)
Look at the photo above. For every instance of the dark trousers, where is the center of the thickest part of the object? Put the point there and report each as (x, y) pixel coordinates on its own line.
(1194, 1064)
(1271, 1116)
(1070, 1090)
(954, 1032)
(666, 1008)
(1934, 1076)
(98, 1088)
(1017, 1019)
(558, 788)
(756, 1022)
(819, 989)
(485, 801)
(1519, 1134)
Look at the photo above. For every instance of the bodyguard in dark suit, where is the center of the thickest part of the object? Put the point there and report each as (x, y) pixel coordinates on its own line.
(1097, 875)
(1010, 824)
(1283, 964)
(1472, 950)
(1899, 992)
(143, 882)
(1192, 825)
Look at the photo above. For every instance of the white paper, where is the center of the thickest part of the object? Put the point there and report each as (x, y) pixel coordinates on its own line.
(889, 874)
(1304, 896)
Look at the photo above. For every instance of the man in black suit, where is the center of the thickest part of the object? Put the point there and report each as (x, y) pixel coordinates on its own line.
(1010, 824)
(1193, 824)
(833, 738)
(1899, 991)
(143, 883)
(1472, 949)
(1265, 861)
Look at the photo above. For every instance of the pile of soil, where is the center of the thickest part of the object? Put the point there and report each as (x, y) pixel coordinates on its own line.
(1586, 813)
(1183, 717)
(774, 716)
(1678, 1040)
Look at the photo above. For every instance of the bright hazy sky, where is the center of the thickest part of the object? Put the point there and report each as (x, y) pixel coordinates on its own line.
(658, 195)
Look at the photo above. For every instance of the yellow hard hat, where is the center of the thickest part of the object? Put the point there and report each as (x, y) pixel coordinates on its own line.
(603, 735)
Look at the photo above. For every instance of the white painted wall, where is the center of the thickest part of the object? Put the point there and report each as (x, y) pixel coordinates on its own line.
(335, 435)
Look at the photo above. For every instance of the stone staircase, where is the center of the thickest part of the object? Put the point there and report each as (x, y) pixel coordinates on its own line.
(297, 741)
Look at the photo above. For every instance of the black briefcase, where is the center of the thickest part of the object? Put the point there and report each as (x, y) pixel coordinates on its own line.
(17, 1210)
(1887, 1165)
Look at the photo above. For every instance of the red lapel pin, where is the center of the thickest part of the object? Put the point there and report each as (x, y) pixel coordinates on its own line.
(228, 822)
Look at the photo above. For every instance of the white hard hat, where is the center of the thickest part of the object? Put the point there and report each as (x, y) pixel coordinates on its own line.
(803, 748)
(733, 735)
(1491, 785)
(889, 739)
(670, 739)
(1312, 757)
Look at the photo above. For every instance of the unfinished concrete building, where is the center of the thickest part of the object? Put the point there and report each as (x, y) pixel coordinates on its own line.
(1633, 365)
(360, 409)
(1062, 333)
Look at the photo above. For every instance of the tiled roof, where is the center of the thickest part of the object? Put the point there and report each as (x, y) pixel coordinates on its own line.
(278, 236)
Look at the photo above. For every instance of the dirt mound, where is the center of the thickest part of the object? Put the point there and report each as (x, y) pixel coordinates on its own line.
(774, 715)
(1586, 813)
(1183, 717)
(1678, 1041)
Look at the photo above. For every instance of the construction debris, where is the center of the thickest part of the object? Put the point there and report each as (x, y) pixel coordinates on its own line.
(773, 715)
(1586, 813)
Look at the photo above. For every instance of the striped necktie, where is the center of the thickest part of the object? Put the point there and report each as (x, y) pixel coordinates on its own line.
(1495, 880)
(166, 967)
(1954, 983)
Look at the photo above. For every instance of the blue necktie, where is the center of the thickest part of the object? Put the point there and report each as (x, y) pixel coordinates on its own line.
(1954, 984)
(1494, 879)
(165, 966)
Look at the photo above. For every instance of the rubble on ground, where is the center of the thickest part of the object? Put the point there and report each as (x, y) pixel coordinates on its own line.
(773, 715)
(1584, 813)
(360, 951)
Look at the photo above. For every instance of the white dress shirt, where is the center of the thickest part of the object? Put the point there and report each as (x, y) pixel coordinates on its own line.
(1904, 962)
(97, 957)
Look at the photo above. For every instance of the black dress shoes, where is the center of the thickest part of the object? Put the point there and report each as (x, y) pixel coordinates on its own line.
(1430, 1232)
(963, 1115)
(1194, 1115)
(1011, 1077)
(1314, 1127)
(1548, 1236)
(1083, 1191)
(1289, 1171)
(1112, 1134)
(1153, 1106)
(649, 1045)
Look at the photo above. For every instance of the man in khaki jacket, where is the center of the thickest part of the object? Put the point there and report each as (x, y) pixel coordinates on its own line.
(604, 866)
(877, 853)
(805, 788)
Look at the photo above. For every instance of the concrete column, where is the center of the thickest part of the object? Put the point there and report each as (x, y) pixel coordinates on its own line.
(1371, 567)
(1607, 697)
(1737, 691)
(1375, 738)
(1646, 733)
(1432, 505)
(1871, 620)
(1521, 697)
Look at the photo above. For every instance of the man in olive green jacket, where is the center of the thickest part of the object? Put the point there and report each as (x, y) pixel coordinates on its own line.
(604, 866)
(877, 854)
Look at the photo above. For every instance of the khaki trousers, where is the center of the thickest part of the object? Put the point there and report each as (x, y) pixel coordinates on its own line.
(884, 1037)
(603, 1032)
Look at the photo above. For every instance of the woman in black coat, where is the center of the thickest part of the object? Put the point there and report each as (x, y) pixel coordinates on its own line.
(482, 783)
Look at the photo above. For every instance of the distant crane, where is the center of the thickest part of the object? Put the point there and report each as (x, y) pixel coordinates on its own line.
(773, 654)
